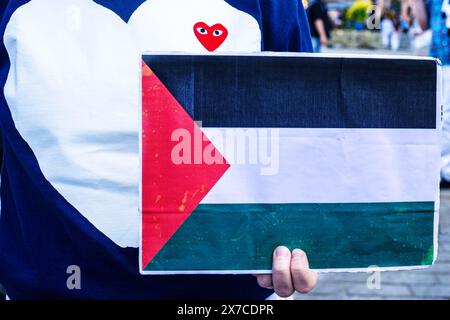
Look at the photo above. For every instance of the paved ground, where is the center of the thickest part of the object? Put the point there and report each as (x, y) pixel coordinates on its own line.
(431, 283)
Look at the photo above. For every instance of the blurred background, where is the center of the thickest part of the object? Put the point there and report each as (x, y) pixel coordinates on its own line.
(378, 26)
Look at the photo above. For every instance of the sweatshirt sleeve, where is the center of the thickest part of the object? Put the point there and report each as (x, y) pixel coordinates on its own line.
(285, 26)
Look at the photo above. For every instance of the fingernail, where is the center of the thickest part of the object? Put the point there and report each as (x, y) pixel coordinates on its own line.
(282, 252)
(297, 253)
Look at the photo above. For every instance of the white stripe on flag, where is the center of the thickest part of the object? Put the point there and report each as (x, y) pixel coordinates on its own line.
(334, 166)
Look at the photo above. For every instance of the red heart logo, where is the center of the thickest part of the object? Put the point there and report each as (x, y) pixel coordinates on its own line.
(210, 37)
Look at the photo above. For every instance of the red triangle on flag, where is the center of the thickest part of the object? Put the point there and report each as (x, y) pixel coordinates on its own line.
(174, 180)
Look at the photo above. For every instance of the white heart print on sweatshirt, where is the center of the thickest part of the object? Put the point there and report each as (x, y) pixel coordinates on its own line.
(73, 91)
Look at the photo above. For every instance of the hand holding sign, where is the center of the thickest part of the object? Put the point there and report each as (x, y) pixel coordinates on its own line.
(290, 272)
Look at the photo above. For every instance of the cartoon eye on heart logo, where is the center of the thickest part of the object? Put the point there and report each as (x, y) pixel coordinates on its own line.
(210, 37)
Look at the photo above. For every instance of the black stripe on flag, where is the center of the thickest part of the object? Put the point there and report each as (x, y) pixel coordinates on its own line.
(301, 92)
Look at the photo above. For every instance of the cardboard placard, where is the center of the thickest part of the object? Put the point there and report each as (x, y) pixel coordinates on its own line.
(336, 155)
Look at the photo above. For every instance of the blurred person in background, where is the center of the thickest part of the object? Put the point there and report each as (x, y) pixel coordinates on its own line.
(387, 30)
(406, 15)
(434, 15)
(319, 23)
(391, 28)
(420, 39)
(396, 34)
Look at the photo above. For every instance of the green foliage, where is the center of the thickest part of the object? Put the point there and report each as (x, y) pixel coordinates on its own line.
(358, 12)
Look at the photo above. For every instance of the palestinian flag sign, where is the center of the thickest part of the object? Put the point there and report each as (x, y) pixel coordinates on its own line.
(338, 156)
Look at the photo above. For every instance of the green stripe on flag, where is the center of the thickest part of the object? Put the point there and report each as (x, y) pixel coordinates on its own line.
(341, 235)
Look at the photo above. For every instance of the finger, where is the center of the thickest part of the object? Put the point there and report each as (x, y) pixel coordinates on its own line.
(304, 279)
(265, 280)
(281, 272)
